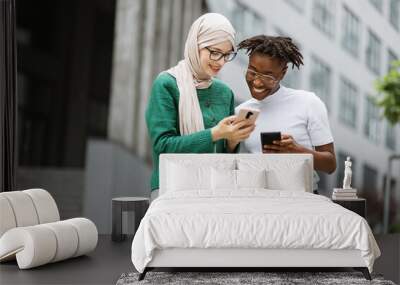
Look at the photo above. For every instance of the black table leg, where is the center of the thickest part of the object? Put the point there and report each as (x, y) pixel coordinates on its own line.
(117, 221)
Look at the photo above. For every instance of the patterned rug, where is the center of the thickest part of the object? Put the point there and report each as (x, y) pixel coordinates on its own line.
(243, 278)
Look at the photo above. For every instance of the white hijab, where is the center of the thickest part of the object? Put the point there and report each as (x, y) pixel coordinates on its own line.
(208, 30)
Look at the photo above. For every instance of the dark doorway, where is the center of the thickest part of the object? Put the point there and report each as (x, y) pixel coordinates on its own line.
(64, 73)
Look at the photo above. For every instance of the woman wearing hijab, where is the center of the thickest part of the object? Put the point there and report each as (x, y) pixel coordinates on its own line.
(190, 111)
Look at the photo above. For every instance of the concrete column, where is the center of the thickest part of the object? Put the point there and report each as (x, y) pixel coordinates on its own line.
(121, 122)
(187, 21)
(164, 36)
(196, 9)
(147, 75)
(176, 35)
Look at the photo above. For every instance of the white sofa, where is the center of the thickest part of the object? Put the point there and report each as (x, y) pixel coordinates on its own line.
(31, 231)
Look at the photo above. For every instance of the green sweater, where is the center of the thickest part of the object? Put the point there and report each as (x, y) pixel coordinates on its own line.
(162, 118)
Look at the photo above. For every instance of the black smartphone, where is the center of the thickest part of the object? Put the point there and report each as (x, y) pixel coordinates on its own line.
(269, 137)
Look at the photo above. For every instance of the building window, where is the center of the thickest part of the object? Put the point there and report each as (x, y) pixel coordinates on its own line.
(372, 123)
(393, 183)
(298, 5)
(391, 134)
(351, 32)
(247, 23)
(391, 57)
(348, 103)
(324, 16)
(373, 53)
(370, 179)
(292, 77)
(394, 15)
(341, 158)
(320, 79)
(378, 4)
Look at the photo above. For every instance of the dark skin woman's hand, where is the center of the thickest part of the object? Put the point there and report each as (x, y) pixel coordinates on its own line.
(324, 155)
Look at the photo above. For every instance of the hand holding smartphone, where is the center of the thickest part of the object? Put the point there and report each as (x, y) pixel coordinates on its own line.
(269, 137)
(247, 114)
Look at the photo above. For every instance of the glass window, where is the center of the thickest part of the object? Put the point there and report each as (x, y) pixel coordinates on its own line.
(341, 158)
(370, 179)
(247, 23)
(393, 183)
(394, 15)
(324, 16)
(320, 80)
(351, 32)
(391, 134)
(292, 77)
(298, 5)
(372, 123)
(373, 53)
(348, 103)
(391, 57)
(378, 4)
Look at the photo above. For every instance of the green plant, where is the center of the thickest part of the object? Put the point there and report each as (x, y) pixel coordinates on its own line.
(389, 89)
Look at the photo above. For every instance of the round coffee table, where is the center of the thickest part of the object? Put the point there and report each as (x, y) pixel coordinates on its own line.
(138, 205)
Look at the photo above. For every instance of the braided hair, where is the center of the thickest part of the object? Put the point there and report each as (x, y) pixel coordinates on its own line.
(282, 48)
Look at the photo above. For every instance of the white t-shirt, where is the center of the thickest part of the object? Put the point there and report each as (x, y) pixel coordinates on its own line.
(298, 113)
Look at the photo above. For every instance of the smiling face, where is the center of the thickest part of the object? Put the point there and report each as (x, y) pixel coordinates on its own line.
(212, 67)
(264, 74)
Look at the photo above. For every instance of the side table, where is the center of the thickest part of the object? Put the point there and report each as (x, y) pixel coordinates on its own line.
(358, 206)
(138, 205)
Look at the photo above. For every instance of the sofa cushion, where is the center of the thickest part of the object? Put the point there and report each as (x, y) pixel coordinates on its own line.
(27, 208)
(23, 208)
(40, 244)
(45, 205)
(7, 215)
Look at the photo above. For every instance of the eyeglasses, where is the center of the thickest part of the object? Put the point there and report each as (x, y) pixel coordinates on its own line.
(217, 55)
(266, 79)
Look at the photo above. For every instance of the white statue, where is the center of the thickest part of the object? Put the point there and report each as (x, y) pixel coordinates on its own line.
(347, 174)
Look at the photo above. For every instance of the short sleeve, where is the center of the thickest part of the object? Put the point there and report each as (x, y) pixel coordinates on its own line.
(318, 123)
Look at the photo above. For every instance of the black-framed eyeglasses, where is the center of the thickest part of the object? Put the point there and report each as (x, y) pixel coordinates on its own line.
(217, 55)
(265, 78)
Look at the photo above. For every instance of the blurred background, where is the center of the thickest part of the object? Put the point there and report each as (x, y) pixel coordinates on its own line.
(85, 70)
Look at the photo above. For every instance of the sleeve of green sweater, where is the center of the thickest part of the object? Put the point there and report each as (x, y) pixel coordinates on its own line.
(232, 112)
(162, 122)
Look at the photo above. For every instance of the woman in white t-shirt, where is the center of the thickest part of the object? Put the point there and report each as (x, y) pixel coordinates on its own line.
(299, 115)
